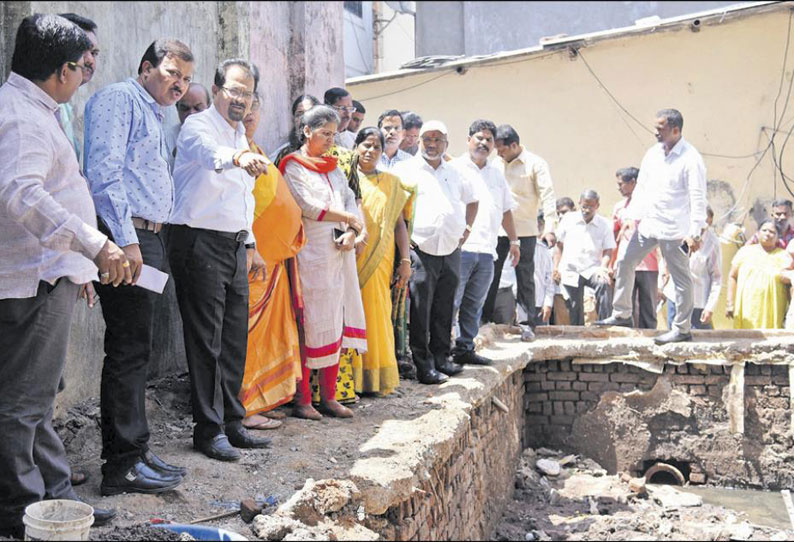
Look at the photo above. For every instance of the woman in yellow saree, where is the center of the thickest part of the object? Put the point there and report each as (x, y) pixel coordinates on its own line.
(386, 202)
(273, 362)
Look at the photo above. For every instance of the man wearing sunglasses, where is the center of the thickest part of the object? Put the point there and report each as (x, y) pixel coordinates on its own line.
(126, 164)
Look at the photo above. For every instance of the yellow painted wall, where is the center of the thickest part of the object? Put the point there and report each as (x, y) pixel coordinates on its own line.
(723, 79)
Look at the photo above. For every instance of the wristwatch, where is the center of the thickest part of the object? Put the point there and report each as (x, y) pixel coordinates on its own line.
(517, 242)
(468, 228)
(250, 246)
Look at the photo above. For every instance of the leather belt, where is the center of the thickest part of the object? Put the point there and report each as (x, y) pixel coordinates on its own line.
(148, 225)
(239, 236)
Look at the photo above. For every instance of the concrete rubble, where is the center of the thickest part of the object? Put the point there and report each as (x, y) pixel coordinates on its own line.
(580, 505)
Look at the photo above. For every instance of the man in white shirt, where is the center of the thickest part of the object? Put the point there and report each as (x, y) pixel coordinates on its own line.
(446, 207)
(544, 283)
(479, 251)
(530, 183)
(584, 247)
(211, 251)
(669, 210)
(390, 124)
(342, 102)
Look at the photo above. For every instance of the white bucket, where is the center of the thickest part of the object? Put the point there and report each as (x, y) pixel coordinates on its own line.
(58, 519)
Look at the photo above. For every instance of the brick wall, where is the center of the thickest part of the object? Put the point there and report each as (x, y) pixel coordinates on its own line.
(469, 482)
(562, 399)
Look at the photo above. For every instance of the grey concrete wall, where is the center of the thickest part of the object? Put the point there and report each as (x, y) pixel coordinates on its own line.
(479, 28)
(298, 47)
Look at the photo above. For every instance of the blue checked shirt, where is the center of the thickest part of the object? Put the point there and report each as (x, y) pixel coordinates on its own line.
(126, 159)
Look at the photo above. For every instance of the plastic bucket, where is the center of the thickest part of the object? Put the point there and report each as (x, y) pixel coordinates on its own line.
(58, 519)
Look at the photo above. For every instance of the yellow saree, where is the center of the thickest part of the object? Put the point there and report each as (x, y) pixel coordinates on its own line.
(385, 200)
(273, 362)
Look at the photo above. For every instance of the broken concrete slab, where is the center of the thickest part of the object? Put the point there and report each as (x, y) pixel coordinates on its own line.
(672, 499)
(549, 467)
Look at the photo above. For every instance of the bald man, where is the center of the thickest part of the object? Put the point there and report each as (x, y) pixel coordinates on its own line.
(195, 100)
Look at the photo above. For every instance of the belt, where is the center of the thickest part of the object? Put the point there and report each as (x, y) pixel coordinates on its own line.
(239, 236)
(148, 225)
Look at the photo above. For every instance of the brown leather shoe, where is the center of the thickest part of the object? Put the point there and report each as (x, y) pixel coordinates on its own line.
(78, 477)
(307, 412)
(335, 409)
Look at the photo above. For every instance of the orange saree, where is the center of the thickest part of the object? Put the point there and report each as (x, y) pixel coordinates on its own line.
(273, 362)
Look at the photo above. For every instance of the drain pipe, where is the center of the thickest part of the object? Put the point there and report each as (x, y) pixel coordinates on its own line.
(664, 467)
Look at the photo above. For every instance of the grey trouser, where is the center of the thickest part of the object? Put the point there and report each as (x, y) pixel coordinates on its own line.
(34, 335)
(678, 267)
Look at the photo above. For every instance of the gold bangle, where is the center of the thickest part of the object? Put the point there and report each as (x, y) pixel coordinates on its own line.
(405, 260)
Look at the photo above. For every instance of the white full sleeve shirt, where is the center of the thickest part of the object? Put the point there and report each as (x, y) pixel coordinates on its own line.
(670, 198)
(443, 193)
(210, 191)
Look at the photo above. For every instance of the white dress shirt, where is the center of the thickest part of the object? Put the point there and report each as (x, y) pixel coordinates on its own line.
(47, 217)
(544, 283)
(670, 198)
(583, 245)
(345, 139)
(495, 200)
(440, 218)
(210, 191)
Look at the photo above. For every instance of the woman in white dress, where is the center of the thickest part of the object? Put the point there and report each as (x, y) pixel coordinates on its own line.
(333, 313)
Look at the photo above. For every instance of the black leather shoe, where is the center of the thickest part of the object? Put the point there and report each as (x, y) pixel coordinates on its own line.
(672, 336)
(239, 437)
(157, 464)
(102, 516)
(615, 321)
(447, 367)
(470, 357)
(217, 447)
(430, 377)
(139, 478)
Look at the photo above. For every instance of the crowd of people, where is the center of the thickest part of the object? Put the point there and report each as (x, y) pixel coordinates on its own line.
(351, 258)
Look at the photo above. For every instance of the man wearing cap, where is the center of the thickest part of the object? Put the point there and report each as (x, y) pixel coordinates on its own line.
(445, 211)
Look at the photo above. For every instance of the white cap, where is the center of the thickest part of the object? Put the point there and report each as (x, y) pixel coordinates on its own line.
(433, 126)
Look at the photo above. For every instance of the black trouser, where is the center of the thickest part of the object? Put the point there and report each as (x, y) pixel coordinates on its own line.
(34, 335)
(645, 288)
(211, 278)
(129, 328)
(525, 279)
(433, 284)
(575, 301)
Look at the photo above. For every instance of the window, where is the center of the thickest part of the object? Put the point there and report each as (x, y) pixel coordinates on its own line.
(354, 8)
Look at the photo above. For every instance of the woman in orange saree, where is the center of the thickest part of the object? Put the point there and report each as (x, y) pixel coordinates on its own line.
(273, 362)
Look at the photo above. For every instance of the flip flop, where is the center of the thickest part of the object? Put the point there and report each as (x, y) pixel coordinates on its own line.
(266, 423)
(274, 414)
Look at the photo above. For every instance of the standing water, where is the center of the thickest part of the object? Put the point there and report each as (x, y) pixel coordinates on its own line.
(762, 507)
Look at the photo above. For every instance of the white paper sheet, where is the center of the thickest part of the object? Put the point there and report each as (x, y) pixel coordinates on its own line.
(152, 279)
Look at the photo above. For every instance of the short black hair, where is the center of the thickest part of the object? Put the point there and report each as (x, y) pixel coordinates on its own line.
(481, 124)
(390, 113)
(301, 98)
(359, 107)
(364, 133)
(411, 120)
(223, 67)
(333, 95)
(161, 48)
(85, 24)
(507, 135)
(782, 203)
(255, 73)
(628, 174)
(44, 43)
(673, 117)
(565, 201)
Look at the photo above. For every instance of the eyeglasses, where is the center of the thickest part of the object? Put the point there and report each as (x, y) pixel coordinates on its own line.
(239, 94)
(342, 108)
(74, 65)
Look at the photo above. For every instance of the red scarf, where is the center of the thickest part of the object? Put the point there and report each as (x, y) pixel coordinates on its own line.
(323, 164)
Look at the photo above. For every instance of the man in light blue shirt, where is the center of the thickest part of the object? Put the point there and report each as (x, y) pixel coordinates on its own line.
(126, 164)
(390, 124)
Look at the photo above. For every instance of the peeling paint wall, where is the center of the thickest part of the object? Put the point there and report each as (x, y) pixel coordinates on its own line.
(297, 46)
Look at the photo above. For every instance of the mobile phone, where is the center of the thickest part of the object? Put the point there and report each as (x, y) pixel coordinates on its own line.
(338, 235)
(684, 248)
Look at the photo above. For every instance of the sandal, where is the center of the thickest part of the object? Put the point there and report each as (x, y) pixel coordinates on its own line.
(259, 422)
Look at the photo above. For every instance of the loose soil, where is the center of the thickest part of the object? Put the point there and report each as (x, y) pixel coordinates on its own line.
(584, 503)
(301, 449)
